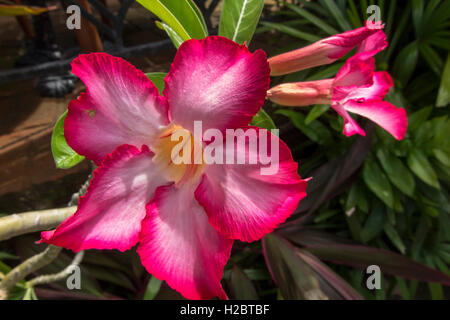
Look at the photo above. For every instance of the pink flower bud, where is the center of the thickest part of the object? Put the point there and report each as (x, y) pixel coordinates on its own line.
(327, 50)
(302, 93)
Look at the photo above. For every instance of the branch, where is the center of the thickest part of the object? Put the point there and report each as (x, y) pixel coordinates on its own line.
(18, 224)
(60, 275)
(25, 268)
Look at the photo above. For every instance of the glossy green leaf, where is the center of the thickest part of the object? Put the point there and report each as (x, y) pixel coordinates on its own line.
(263, 120)
(406, 62)
(65, 157)
(377, 182)
(241, 286)
(152, 289)
(176, 39)
(443, 98)
(419, 164)
(158, 80)
(239, 19)
(397, 172)
(180, 16)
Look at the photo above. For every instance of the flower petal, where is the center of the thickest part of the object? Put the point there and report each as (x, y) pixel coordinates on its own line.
(374, 43)
(351, 127)
(357, 71)
(383, 113)
(216, 81)
(382, 83)
(179, 245)
(109, 215)
(241, 202)
(121, 105)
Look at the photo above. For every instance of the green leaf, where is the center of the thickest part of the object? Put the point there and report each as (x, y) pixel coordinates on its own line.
(443, 98)
(239, 19)
(377, 182)
(6, 255)
(263, 120)
(152, 290)
(416, 119)
(374, 224)
(394, 237)
(176, 39)
(397, 172)
(158, 80)
(291, 31)
(180, 16)
(316, 112)
(30, 294)
(406, 62)
(241, 286)
(337, 14)
(313, 19)
(419, 164)
(442, 156)
(315, 131)
(65, 157)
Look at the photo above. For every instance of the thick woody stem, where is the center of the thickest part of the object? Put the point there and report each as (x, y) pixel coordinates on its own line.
(25, 268)
(60, 275)
(34, 223)
(27, 222)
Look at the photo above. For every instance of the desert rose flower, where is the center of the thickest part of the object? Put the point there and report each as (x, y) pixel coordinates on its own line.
(183, 217)
(325, 51)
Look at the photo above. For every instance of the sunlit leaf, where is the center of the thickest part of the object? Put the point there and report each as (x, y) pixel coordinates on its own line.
(176, 39)
(239, 19)
(65, 157)
(263, 120)
(158, 80)
(180, 16)
(152, 289)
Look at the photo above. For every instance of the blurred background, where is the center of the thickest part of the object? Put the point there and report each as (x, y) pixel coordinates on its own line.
(373, 200)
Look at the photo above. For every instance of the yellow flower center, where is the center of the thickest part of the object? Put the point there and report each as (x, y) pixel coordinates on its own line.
(178, 155)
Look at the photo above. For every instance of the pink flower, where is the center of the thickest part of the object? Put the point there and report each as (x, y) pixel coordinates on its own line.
(327, 50)
(357, 88)
(184, 216)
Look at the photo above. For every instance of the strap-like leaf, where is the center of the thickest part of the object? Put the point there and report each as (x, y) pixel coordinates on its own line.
(180, 15)
(239, 19)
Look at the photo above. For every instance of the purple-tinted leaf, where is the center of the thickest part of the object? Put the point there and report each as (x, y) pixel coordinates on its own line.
(390, 263)
(293, 276)
(332, 284)
(241, 286)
